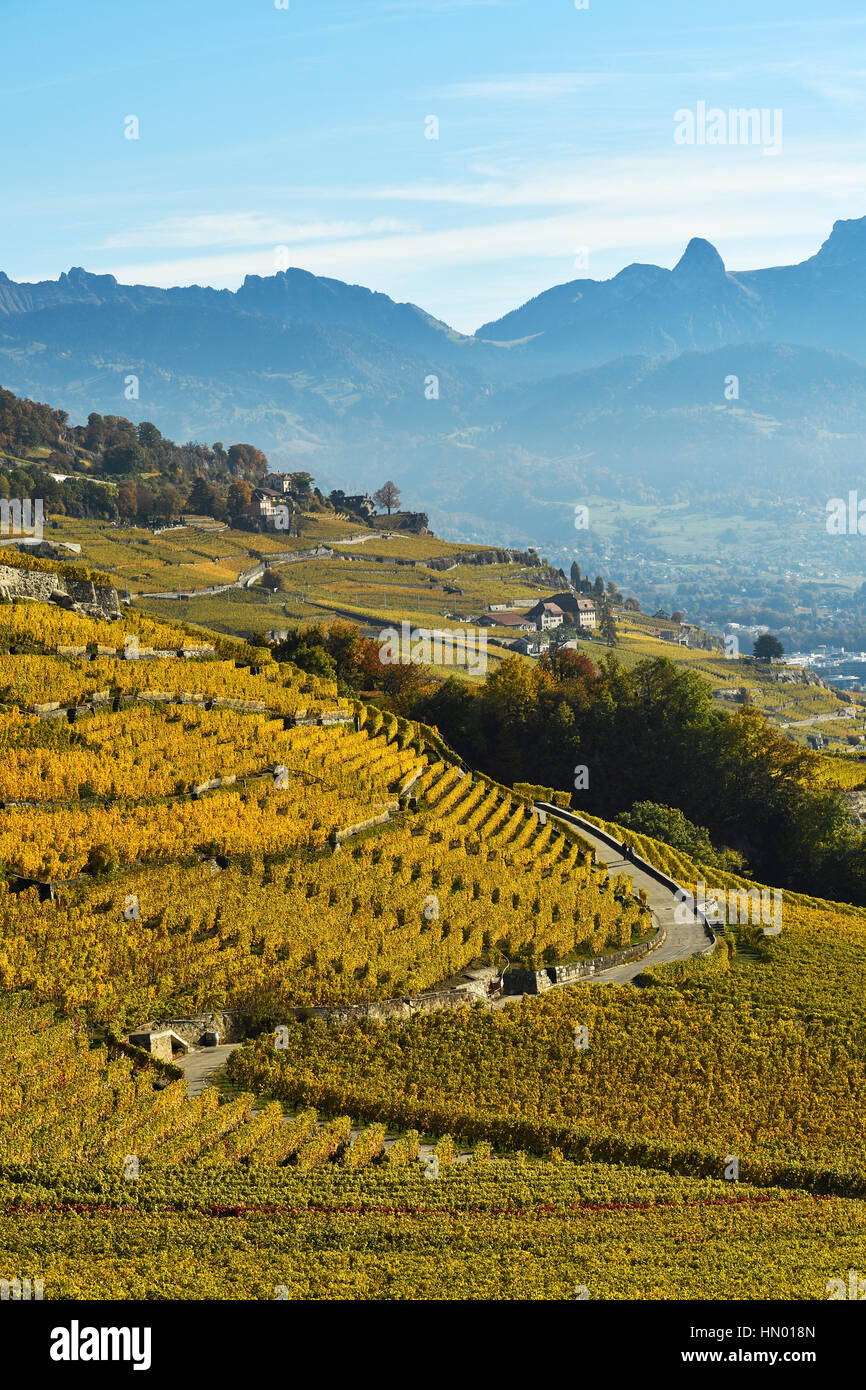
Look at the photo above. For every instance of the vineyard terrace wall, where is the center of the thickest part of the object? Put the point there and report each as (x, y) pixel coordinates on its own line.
(100, 600)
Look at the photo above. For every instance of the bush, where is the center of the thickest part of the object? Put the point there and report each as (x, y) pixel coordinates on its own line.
(668, 824)
(538, 793)
(273, 580)
(404, 1151)
(101, 859)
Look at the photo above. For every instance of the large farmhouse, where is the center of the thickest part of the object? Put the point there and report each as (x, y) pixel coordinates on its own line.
(558, 610)
(546, 614)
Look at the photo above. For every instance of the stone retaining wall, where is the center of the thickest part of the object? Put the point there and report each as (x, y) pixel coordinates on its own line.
(483, 557)
(236, 1027)
(349, 830)
(458, 997)
(229, 1026)
(45, 587)
(537, 981)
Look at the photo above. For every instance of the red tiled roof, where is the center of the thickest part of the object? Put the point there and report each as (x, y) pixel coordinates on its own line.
(508, 619)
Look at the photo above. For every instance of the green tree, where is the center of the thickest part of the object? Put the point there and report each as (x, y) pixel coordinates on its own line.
(767, 648)
(273, 580)
(125, 458)
(312, 658)
(608, 626)
(668, 824)
(150, 438)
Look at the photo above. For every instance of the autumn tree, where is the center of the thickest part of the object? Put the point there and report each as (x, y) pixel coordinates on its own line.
(144, 500)
(205, 499)
(245, 460)
(167, 502)
(388, 497)
(127, 504)
(238, 500)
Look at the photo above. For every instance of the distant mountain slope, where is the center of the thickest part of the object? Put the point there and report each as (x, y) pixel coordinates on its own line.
(698, 306)
(614, 385)
(291, 296)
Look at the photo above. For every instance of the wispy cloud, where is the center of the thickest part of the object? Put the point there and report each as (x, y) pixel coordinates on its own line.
(632, 182)
(397, 7)
(529, 86)
(838, 87)
(240, 229)
(524, 231)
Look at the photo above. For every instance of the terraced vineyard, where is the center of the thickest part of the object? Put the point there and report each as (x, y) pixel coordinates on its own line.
(394, 913)
(227, 833)
(207, 857)
(506, 1230)
(756, 1051)
(65, 1100)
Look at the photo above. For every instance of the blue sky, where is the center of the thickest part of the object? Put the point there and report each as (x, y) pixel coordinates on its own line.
(270, 137)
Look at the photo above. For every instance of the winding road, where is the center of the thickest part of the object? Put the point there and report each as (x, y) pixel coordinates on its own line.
(684, 938)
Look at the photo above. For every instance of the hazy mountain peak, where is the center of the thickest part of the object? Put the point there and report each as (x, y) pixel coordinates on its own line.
(699, 260)
(846, 242)
(84, 279)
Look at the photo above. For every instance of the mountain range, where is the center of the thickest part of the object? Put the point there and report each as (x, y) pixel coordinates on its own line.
(653, 384)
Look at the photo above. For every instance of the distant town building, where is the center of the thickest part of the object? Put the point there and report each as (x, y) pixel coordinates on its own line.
(279, 482)
(546, 614)
(272, 507)
(525, 646)
(587, 619)
(520, 622)
(357, 503)
(580, 611)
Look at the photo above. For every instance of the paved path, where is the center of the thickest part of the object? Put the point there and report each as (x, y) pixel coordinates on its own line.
(683, 939)
(201, 1064)
(850, 713)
